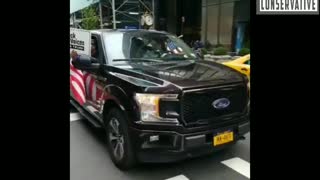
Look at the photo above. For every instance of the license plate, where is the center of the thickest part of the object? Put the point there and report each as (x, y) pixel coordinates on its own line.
(223, 138)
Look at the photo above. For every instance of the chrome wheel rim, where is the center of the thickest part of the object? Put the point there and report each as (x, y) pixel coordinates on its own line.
(116, 139)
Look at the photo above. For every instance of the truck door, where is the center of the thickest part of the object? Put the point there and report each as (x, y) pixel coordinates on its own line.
(92, 78)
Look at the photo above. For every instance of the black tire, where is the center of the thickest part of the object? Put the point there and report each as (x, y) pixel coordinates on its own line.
(127, 160)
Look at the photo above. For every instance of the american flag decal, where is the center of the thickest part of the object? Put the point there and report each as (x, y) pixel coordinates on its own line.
(173, 48)
(94, 90)
(83, 86)
(77, 84)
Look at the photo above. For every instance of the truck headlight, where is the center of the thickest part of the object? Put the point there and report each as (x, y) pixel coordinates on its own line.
(149, 107)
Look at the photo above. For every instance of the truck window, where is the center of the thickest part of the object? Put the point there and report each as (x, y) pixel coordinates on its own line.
(96, 49)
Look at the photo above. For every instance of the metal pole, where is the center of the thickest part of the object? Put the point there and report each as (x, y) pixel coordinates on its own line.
(154, 17)
(114, 15)
(219, 20)
(206, 23)
(100, 9)
(74, 20)
(182, 23)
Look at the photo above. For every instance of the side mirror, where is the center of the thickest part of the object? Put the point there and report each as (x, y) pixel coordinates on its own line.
(85, 62)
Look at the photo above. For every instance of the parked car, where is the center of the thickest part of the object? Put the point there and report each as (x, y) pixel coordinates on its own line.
(241, 64)
(156, 101)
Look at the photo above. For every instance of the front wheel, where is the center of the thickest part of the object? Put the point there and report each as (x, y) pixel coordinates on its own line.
(118, 140)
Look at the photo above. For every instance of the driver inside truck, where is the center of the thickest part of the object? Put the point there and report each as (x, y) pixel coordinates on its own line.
(94, 52)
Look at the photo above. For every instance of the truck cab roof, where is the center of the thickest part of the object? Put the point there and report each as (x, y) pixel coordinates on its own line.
(100, 31)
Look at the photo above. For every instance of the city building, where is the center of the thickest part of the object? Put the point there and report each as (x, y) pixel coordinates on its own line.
(224, 22)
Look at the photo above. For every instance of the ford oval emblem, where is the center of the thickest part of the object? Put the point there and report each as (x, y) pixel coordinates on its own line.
(221, 103)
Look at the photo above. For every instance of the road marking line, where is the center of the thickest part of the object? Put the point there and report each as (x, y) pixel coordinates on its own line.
(239, 165)
(179, 177)
(75, 117)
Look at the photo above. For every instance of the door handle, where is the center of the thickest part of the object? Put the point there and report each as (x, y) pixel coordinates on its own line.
(103, 79)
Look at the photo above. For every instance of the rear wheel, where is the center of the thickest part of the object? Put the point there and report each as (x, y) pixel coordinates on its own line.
(118, 140)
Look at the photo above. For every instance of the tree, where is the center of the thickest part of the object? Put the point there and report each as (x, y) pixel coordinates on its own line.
(90, 18)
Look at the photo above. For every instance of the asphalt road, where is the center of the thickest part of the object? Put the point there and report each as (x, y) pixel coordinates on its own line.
(89, 159)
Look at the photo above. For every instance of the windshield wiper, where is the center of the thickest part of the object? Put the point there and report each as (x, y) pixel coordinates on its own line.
(137, 60)
(169, 57)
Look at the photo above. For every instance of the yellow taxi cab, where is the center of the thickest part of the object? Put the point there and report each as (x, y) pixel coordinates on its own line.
(241, 64)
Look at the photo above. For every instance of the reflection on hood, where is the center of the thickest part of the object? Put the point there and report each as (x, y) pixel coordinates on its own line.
(185, 73)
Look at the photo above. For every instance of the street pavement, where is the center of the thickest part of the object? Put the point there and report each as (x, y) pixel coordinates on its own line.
(89, 159)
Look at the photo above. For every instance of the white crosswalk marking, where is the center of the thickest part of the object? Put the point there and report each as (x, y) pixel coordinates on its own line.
(75, 117)
(239, 165)
(180, 177)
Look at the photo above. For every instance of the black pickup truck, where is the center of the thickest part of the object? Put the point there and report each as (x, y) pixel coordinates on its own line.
(155, 99)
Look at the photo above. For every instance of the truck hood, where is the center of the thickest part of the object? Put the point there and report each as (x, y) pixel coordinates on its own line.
(184, 74)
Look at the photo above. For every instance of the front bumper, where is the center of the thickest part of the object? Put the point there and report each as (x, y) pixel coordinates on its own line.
(169, 146)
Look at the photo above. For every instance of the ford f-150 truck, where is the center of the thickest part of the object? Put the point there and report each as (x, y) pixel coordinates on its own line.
(155, 99)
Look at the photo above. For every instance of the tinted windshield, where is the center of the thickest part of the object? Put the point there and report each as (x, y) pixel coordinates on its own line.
(146, 45)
